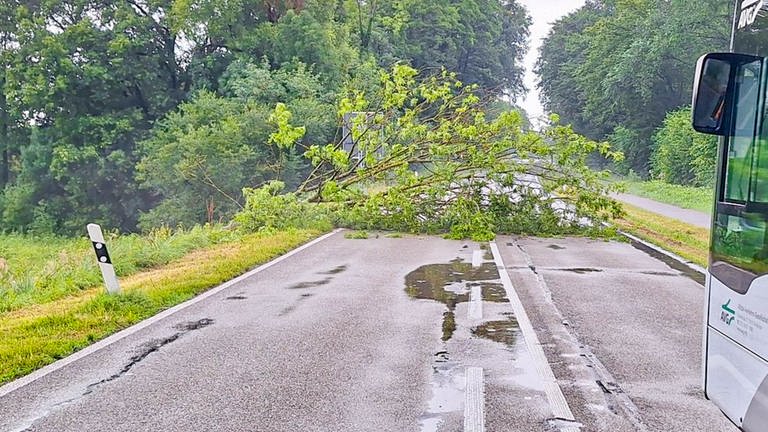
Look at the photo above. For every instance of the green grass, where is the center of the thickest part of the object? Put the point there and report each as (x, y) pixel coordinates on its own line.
(357, 235)
(36, 270)
(38, 334)
(688, 241)
(694, 198)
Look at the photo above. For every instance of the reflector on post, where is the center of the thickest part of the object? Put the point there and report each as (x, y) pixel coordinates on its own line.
(102, 255)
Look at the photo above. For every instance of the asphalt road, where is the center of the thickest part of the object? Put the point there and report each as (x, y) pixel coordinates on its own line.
(689, 216)
(401, 334)
(622, 331)
(327, 340)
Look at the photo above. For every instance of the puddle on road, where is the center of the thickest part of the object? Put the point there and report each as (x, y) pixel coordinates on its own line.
(488, 255)
(447, 392)
(491, 291)
(580, 270)
(335, 271)
(671, 262)
(504, 331)
(448, 284)
(556, 247)
(305, 285)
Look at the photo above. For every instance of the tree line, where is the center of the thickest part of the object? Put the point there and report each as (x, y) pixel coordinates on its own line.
(622, 71)
(141, 113)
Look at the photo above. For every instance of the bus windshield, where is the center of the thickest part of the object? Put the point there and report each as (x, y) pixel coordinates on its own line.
(739, 241)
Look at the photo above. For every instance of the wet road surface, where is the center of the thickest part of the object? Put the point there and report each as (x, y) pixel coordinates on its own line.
(403, 334)
(622, 331)
(349, 335)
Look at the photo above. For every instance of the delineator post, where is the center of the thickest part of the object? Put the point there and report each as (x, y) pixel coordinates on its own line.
(102, 255)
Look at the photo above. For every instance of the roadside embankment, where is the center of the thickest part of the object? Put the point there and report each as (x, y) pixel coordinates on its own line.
(38, 333)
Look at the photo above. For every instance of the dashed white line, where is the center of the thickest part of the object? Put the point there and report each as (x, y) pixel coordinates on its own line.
(475, 311)
(557, 402)
(474, 401)
(477, 258)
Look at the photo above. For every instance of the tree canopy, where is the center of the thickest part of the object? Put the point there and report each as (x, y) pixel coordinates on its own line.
(111, 109)
(615, 68)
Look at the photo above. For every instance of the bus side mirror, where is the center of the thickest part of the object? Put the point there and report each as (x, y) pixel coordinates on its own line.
(712, 89)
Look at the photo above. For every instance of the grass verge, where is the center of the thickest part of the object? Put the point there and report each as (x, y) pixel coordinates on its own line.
(39, 334)
(694, 198)
(688, 241)
(35, 270)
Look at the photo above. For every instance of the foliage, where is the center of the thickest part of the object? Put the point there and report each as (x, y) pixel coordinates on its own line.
(683, 156)
(268, 209)
(82, 82)
(200, 157)
(89, 91)
(449, 169)
(619, 66)
(561, 53)
(635, 149)
(356, 235)
(482, 40)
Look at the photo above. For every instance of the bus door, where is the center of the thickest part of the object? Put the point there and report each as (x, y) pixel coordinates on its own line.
(736, 331)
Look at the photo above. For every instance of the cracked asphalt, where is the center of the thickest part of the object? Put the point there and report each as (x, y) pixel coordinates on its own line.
(327, 340)
(377, 335)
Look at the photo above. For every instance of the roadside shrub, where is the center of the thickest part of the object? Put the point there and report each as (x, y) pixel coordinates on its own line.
(267, 208)
(683, 156)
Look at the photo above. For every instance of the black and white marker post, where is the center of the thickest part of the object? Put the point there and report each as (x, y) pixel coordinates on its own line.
(107, 269)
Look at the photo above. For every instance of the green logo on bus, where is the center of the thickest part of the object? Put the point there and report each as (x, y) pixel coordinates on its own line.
(727, 315)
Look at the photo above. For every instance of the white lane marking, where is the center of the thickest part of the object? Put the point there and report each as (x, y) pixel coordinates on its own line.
(21, 382)
(477, 258)
(557, 402)
(475, 303)
(474, 401)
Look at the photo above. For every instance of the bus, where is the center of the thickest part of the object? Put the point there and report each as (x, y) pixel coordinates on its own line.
(729, 100)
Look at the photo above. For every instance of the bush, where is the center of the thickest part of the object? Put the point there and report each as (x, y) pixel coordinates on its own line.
(681, 155)
(266, 209)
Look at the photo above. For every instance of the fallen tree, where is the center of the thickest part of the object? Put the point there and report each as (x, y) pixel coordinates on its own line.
(423, 155)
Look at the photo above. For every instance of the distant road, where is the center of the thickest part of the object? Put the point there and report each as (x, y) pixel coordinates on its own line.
(692, 217)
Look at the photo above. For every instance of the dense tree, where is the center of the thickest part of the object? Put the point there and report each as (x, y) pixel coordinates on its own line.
(200, 157)
(83, 82)
(482, 40)
(631, 64)
(560, 55)
(88, 79)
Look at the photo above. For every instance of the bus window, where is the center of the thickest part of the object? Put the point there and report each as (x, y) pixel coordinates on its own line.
(739, 237)
(741, 143)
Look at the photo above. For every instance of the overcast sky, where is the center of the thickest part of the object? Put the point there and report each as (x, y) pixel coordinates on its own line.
(544, 13)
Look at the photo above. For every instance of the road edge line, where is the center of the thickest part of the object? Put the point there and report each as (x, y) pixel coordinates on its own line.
(555, 396)
(90, 349)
